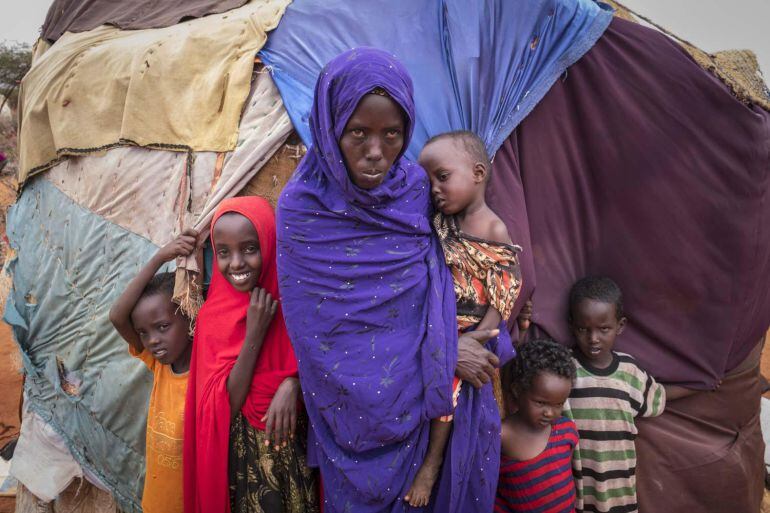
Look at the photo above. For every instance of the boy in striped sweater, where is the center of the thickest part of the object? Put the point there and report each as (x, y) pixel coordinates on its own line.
(610, 391)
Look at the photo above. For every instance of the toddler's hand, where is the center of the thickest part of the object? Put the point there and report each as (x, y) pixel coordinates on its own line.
(524, 318)
(183, 245)
(262, 308)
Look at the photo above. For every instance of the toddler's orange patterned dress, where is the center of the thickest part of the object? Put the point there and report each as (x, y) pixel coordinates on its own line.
(485, 273)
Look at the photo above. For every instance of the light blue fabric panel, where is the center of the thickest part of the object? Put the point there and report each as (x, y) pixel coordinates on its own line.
(70, 266)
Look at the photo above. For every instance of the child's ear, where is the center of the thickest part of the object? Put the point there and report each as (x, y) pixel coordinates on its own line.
(479, 172)
(621, 325)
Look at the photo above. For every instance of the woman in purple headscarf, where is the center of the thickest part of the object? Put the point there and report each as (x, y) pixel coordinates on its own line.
(368, 301)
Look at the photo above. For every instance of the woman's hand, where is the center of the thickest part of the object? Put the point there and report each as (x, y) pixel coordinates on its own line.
(262, 308)
(184, 245)
(281, 418)
(475, 364)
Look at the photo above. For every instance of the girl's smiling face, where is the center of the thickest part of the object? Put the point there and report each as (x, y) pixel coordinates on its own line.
(236, 244)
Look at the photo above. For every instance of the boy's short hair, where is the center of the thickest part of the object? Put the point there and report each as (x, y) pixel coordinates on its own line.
(598, 288)
(541, 355)
(472, 143)
(161, 283)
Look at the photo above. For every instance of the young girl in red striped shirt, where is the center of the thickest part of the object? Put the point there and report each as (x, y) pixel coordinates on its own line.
(537, 441)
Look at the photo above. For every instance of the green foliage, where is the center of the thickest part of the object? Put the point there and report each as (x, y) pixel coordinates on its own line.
(15, 59)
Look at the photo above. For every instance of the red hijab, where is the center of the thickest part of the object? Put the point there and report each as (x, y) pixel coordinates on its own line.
(219, 334)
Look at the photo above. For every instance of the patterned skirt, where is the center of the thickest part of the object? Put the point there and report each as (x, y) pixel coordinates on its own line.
(263, 480)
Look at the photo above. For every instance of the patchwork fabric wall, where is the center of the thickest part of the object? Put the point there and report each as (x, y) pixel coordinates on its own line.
(80, 232)
(96, 205)
(83, 15)
(179, 88)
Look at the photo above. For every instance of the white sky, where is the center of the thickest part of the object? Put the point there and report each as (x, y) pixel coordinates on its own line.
(710, 24)
(22, 19)
(714, 25)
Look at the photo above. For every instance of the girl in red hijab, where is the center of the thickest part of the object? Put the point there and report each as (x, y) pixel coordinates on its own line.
(240, 449)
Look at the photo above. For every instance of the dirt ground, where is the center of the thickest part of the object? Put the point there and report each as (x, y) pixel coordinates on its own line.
(10, 363)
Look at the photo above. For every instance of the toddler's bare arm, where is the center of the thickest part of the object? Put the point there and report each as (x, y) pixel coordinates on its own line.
(491, 319)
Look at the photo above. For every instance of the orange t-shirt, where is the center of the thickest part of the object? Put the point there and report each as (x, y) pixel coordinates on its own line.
(165, 429)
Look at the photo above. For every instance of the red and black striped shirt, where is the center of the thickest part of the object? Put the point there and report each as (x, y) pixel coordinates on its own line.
(543, 484)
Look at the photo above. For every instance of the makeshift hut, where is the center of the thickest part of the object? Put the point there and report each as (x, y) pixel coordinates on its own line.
(618, 150)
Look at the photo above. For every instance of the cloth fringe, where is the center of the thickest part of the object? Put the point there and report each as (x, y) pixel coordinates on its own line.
(188, 294)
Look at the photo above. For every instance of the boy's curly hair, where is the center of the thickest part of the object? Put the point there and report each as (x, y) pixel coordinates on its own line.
(542, 355)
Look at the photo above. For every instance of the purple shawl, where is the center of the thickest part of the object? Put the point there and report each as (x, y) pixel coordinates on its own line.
(368, 301)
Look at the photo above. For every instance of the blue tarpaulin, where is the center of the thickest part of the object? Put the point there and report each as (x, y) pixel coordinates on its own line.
(479, 65)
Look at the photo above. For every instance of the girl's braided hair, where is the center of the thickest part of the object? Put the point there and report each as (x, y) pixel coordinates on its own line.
(543, 355)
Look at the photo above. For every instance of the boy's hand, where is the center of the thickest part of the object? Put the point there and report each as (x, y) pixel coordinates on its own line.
(281, 418)
(262, 308)
(184, 245)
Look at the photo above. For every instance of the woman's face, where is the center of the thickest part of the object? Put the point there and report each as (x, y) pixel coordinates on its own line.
(372, 140)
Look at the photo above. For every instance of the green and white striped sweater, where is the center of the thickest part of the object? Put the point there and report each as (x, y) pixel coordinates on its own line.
(604, 404)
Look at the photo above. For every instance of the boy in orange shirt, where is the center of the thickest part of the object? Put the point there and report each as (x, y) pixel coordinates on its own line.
(159, 334)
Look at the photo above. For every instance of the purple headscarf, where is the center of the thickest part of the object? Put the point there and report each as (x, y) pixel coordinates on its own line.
(368, 301)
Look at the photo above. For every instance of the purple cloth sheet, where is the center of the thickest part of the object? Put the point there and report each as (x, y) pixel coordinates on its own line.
(641, 166)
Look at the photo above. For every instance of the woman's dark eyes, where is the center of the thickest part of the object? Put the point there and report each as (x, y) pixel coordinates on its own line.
(359, 133)
(251, 249)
